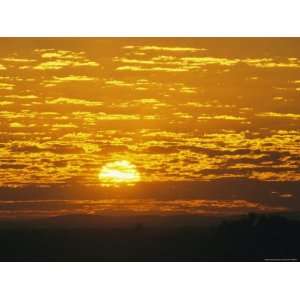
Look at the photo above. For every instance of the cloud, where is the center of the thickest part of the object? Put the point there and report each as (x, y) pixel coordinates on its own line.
(161, 150)
(4, 103)
(55, 148)
(219, 190)
(119, 83)
(109, 149)
(26, 148)
(18, 60)
(74, 101)
(181, 114)
(65, 149)
(279, 115)
(196, 62)
(59, 59)
(60, 64)
(70, 78)
(105, 116)
(13, 166)
(221, 117)
(16, 125)
(271, 63)
(154, 69)
(6, 86)
(21, 96)
(164, 48)
(180, 63)
(260, 157)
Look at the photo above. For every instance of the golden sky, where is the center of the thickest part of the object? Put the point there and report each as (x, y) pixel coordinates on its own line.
(211, 125)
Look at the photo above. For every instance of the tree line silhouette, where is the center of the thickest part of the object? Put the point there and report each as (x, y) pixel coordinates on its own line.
(253, 237)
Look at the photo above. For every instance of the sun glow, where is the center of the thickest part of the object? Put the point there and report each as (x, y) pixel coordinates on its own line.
(119, 172)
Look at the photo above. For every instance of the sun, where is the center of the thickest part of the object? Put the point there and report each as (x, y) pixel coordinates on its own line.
(119, 172)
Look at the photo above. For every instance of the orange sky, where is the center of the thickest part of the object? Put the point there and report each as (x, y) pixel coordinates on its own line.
(180, 109)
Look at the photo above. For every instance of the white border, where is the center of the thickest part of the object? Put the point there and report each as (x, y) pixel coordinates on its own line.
(149, 281)
(149, 18)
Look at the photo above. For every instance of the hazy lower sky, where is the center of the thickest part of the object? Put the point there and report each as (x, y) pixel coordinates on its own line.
(211, 125)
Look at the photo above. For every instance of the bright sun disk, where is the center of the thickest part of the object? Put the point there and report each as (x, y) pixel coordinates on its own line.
(117, 172)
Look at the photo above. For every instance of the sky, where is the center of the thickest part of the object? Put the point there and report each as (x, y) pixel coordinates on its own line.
(210, 125)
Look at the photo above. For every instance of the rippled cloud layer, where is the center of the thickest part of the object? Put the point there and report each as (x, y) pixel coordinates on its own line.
(181, 110)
